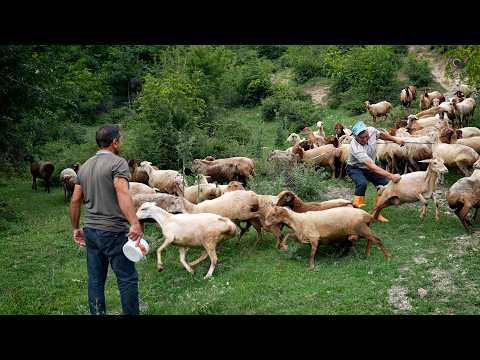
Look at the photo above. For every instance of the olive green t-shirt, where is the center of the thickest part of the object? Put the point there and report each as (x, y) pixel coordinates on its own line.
(99, 196)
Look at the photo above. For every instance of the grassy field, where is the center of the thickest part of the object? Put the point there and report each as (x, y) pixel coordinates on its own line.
(44, 272)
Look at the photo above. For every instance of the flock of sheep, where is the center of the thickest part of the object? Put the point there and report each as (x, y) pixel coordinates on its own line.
(218, 207)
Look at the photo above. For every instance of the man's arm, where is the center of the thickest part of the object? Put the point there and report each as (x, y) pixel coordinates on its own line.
(126, 205)
(74, 212)
(379, 171)
(386, 136)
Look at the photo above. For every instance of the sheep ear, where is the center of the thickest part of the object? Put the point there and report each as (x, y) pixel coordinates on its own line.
(426, 161)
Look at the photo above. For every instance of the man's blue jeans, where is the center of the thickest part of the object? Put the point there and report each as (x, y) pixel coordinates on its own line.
(103, 248)
(361, 177)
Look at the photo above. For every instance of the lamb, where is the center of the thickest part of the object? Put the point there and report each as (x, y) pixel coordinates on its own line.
(427, 98)
(225, 170)
(190, 230)
(68, 178)
(379, 109)
(465, 195)
(321, 156)
(326, 227)
(169, 181)
(464, 109)
(406, 97)
(467, 132)
(40, 169)
(412, 187)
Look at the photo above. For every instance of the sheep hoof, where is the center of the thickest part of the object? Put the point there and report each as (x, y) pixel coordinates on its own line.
(206, 277)
(159, 268)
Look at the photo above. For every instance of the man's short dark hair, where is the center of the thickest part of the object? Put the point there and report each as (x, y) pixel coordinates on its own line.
(106, 134)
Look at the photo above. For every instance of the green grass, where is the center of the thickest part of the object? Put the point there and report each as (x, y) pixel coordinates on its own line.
(44, 272)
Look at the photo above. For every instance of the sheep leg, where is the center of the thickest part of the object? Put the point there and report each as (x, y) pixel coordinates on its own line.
(474, 219)
(278, 233)
(199, 260)
(437, 210)
(183, 253)
(213, 260)
(462, 215)
(313, 251)
(258, 227)
(283, 244)
(34, 183)
(243, 231)
(423, 212)
(378, 242)
(159, 253)
(464, 169)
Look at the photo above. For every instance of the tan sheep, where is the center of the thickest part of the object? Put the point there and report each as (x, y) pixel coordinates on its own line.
(379, 109)
(469, 132)
(187, 231)
(326, 227)
(169, 181)
(416, 186)
(323, 156)
(427, 98)
(465, 195)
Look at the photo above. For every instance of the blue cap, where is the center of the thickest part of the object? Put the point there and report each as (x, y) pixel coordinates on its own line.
(358, 128)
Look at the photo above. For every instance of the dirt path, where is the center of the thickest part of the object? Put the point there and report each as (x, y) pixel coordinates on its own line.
(318, 93)
(437, 65)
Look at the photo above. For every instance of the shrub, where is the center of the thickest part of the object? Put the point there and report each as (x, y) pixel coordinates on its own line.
(417, 71)
(271, 51)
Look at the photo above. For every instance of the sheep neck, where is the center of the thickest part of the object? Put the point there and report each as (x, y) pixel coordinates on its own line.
(431, 178)
(161, 217)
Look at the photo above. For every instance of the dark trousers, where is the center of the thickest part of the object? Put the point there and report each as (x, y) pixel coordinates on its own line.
(361, 177)
(103, 248)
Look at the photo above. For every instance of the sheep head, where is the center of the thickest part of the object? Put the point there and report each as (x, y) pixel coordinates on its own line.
(436, 165)
(286, 198)
(275, 215)
(234, 185)
(293, 138)
(76, 167)
(147, 210)
(339, 129)
(319, 125)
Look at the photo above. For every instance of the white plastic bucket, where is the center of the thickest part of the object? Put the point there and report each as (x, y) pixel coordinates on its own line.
(136, 250)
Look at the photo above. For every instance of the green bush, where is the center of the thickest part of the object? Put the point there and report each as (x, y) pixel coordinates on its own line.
(271, 52)
(417, 71)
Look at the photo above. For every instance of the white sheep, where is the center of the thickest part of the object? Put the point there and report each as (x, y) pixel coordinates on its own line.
(169, 181)
(464, 109)
(469, 132)
(412, 187)
(189, 230)
(321, 131)
(379, 109)
(325, 227)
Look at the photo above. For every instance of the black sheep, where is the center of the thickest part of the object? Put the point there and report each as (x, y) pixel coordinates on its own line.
(40, 169)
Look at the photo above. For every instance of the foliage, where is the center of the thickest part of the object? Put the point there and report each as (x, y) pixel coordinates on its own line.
(470, 74)
(271, 52)
(418, 71)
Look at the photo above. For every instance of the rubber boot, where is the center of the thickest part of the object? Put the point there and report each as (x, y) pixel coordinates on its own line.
(380, 217)
(358, 201)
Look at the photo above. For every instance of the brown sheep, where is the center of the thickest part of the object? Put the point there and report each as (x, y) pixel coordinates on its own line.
(137, 173)
(324, 156)
(426, 100)
(225, 170)
(40, 169)
(463, 196)
(289, 199)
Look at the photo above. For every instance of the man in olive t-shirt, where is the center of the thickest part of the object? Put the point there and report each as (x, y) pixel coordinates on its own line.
(102, 184)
